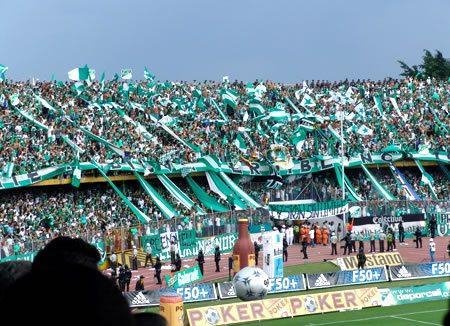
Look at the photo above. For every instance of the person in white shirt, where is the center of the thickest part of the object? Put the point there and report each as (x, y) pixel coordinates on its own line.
(311, 237)
(432, 249)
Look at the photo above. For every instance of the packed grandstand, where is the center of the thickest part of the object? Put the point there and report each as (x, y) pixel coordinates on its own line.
(85, 157)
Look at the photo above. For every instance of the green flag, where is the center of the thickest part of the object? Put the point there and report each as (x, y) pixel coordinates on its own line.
(3, 70)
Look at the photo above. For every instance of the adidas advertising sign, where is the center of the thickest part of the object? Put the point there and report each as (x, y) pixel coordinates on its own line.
(194, 293)
(358, 276)
(289, 283)
(426, 270)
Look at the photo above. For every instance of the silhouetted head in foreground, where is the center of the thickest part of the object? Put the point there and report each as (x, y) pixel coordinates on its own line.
(65, 288)
(10, 272)
(64, 250)
(149, 319)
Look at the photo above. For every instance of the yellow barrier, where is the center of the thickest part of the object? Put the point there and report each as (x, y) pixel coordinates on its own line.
(272, 308)
(171, 308)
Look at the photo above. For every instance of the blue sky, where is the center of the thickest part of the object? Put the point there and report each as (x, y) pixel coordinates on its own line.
(281, 40)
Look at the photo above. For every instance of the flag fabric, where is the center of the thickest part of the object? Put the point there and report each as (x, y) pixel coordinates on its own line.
(126, 74)
(307, 101)
(148, 75)
(3, 70)
(426, 179)
(76, 177)
(256, 108)
(378, 104)
(8, 170)
(78, 74)
(298, 138)
(363, 130)
(229, 97)
(240, 143)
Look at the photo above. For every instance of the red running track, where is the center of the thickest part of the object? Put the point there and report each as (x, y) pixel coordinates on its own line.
(318, 253)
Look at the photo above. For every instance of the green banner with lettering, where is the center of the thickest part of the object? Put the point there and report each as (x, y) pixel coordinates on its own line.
(185, 277)
(187, 239)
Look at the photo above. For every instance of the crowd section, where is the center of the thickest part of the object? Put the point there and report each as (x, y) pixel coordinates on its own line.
(43, 124)
(47, 123)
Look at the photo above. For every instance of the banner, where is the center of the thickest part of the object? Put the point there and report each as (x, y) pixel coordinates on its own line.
(198, 292)
(314, 209)
(373, 260)
(28, 257)
(28, 179)
(443, 223)
(314, 303)
(160, 243)
(388, 219)
(193, 293)
(187, 239)
(184, 277)
(358, 276)
(426, 270)
(414, 294)
(289, 283)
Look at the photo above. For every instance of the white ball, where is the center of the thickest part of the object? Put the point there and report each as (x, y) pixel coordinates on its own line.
(251, 283)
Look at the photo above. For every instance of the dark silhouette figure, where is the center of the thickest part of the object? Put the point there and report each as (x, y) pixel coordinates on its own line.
(201, 260)
(217, 258)
(64, 278)
(418, 235)
(158, 267)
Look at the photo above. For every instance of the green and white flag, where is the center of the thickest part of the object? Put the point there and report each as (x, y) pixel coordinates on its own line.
(126, 74)
(395, 105)
(307, 101)
(76, 177)
(83, 73)
(239, 142)
(378, 104)
(229, 97)
(8, 170)
(3, 70)
(363, 130)
(298, 138)
(257, 108)
(148, 75)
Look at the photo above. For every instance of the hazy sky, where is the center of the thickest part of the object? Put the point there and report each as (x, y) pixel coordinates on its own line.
(282, 40)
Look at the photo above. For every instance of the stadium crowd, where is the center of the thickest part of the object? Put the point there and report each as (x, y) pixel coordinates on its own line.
(47, 123)
(43, 124)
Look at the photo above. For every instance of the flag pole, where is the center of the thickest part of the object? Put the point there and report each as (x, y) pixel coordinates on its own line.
(342, 165)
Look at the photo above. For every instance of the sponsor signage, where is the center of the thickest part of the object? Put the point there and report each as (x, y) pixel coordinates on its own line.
(442, 221)
(184, 277)
(414, 294)
(197, 292)
(314, 303)
(373, 260)
(358, 276)
(188, 245)
(426, 270)
(289, 283)
(388, 219)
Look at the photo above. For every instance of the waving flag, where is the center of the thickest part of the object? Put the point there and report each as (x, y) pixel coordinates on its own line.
(126, 74)
(83, 73)
(3, 70)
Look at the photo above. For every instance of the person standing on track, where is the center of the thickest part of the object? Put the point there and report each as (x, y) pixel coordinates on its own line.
(381, 238)
(432, 249)
(201, 260)
(217, 258)
(372, 241)
(158, 267)
(285, 249)
(401, 232)
(361, 256)
(418, 235)
(333, 241)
